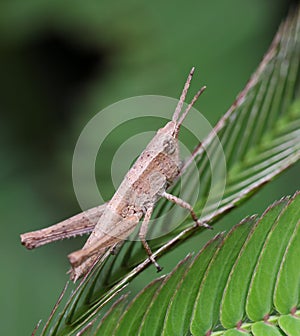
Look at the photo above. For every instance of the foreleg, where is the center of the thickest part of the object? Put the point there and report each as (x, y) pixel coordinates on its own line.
(142, 235)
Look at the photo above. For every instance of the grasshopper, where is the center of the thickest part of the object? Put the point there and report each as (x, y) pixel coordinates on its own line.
(144, 184)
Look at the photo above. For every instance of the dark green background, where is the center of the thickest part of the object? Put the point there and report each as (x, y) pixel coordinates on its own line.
(63, 61)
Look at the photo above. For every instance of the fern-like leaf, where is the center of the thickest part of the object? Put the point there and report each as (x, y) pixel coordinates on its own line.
(245, 282)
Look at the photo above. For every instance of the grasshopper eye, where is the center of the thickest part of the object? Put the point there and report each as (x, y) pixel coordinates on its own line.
(169, 146)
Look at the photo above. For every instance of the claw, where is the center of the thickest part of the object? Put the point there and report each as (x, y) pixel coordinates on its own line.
(207, 226)
(158, 268)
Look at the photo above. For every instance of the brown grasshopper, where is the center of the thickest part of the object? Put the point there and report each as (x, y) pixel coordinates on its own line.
(144, 184)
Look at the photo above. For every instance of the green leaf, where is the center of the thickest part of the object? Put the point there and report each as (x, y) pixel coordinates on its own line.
(260, 303)
(179, 311)
(130, 321)
(287, 288)
(290, 324)
(235, 293)
(153, 319)
(207, 304)
(262, 329)
(108, 323)
(200, 297)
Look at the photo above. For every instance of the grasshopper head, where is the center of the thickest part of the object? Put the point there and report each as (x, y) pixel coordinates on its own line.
(167, 139)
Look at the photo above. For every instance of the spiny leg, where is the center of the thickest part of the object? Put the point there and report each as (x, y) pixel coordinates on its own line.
(142, 235)
(77, 225)
(187, 206)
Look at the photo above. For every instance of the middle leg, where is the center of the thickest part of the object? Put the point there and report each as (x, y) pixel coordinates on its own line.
(187, 206)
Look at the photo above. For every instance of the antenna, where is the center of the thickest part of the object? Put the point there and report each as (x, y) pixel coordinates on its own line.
(197, 95)
(179, 120)
(183, 95)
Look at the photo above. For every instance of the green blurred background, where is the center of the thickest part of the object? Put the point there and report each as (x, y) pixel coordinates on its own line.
(63, 61)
